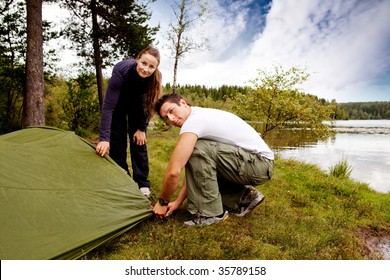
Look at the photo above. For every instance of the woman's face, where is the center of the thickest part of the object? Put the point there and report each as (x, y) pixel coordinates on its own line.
(146, 65)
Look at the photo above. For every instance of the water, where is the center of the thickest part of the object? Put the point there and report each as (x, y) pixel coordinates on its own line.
(364, 144)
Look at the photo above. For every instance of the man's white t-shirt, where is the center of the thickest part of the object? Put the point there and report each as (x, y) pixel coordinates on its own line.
(225, 127)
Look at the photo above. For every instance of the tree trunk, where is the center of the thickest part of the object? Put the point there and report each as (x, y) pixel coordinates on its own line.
(97, 54)
(178, 43)
(174, 86)
(34, 102)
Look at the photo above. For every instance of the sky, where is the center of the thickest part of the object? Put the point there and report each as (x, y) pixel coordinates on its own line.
(343, 44)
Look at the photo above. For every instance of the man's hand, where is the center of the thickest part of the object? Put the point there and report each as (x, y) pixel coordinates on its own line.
(160, 211)
(172, 207)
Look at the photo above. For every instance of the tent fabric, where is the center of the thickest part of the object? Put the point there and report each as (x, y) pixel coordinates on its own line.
(59, 199)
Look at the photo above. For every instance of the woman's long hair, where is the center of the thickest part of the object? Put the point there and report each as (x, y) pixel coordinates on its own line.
(154, 83)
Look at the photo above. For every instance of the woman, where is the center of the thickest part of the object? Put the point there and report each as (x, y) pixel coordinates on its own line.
(132, 90)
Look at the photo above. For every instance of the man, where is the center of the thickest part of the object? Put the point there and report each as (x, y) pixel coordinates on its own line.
(221, 154)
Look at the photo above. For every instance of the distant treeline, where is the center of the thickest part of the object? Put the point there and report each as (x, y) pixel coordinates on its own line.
(343, 111)
(363, 111)
(216, 94)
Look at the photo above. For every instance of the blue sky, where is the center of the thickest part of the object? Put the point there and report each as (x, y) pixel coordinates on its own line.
(344, 45)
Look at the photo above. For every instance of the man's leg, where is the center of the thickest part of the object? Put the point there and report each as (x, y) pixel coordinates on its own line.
(203, 197)
(225, 166)
(231, 193)
(237, 168)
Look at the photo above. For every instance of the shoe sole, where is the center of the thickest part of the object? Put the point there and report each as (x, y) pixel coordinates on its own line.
(251, 206)
(224, 217)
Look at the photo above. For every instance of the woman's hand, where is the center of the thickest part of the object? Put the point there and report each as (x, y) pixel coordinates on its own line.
(103, 148)
(139, 138)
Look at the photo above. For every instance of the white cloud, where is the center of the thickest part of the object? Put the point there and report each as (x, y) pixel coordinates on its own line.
(341, 45)
(224, 27)
(344, 45)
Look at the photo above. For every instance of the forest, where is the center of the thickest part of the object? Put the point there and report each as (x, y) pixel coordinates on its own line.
(33, 93)
(342, 111)
(365, 110)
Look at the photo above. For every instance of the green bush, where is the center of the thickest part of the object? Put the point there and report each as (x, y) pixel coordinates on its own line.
(81, 105)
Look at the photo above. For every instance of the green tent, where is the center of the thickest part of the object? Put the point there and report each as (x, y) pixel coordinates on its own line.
(59, 199)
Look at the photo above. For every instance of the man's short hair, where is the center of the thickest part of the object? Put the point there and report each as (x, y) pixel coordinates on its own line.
(172, 97)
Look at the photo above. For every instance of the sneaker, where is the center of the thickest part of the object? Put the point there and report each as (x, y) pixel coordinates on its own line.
(203, 221)
(145, 191)
(249, 202)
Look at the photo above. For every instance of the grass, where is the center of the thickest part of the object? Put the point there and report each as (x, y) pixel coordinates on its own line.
(307, 215)
(341, 169)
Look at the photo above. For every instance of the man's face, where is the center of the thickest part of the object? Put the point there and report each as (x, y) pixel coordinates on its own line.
(176, 115)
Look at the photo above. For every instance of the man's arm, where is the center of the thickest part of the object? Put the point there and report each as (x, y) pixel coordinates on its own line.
(174, 205)
(179, 158)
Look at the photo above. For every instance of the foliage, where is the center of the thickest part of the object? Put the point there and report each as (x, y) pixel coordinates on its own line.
(363, 111)
(216, 94)
(339, 112)
(11, 95)
(306, 215)
(80, 105)
(341, 170)
(12, 60)
(104, 30)
(13, 47)
(55, 90)
(121, 29)
(276, 102)
(13, 32)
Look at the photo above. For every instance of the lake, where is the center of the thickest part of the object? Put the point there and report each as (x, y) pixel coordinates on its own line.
(364, 144)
